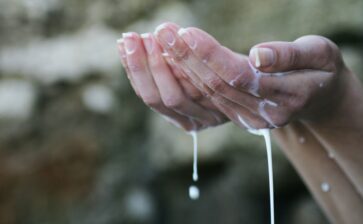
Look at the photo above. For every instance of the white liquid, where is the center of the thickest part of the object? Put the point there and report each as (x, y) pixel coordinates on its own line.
(266, 135)
(193, 190)
(302, 140)
(325, 187)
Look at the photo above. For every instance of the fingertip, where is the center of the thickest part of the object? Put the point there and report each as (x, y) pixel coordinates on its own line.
(130, 42)
(165, 25)
(188, 38)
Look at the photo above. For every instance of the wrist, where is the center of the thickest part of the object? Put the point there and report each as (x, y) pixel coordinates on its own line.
(345, 104)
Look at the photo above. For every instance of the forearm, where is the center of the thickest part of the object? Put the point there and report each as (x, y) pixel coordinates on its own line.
(342, 134)
(326, 180)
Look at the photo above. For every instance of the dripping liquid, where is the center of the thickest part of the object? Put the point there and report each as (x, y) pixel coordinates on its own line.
(193, 189)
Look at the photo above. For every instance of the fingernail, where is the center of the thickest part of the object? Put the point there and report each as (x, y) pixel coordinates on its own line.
(187, 37)
(167, 36)
(148, 42)
(159, 28)
(129, 42)
(263, 56)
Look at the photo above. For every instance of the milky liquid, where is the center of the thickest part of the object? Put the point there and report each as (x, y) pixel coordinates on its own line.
(193, 189)
(266, 135)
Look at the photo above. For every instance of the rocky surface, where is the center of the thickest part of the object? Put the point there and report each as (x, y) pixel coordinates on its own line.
(77, 146)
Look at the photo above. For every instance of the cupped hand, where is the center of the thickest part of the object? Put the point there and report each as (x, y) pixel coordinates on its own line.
(162, 86)
(277, 83)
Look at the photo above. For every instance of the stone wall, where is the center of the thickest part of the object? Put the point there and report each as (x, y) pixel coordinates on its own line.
(77, 146)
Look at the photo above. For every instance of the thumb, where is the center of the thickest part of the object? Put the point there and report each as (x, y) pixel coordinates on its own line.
(307, 52)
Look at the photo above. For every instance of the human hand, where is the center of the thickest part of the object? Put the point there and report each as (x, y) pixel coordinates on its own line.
(163, 87)
(294, 80)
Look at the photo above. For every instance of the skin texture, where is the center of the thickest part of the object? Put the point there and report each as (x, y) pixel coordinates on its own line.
(302, 88)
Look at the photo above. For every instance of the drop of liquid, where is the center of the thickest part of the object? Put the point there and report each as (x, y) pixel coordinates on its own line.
(193, 192)
(302, 140)
(325, 187)
(331, 155)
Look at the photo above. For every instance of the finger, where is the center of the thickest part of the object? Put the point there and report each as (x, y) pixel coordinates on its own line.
(231, 67)
(308, 52)
(138, 71)
(170, 91)
(177, 48)
(122, 53)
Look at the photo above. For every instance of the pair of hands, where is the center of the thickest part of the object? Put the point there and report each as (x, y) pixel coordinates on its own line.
(195, 82)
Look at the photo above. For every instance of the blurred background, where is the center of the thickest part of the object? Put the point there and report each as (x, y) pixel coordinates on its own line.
(77, 146)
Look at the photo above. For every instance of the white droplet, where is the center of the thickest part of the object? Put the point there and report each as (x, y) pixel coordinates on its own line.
(205, 61)
(193, 192)
(331, 155)
(165, 54)
(139, 204)
(325, 187)
(321, 84)
(302, 140)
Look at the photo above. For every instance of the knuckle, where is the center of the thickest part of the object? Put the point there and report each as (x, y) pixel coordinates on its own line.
(135, 67)
(294, 55)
